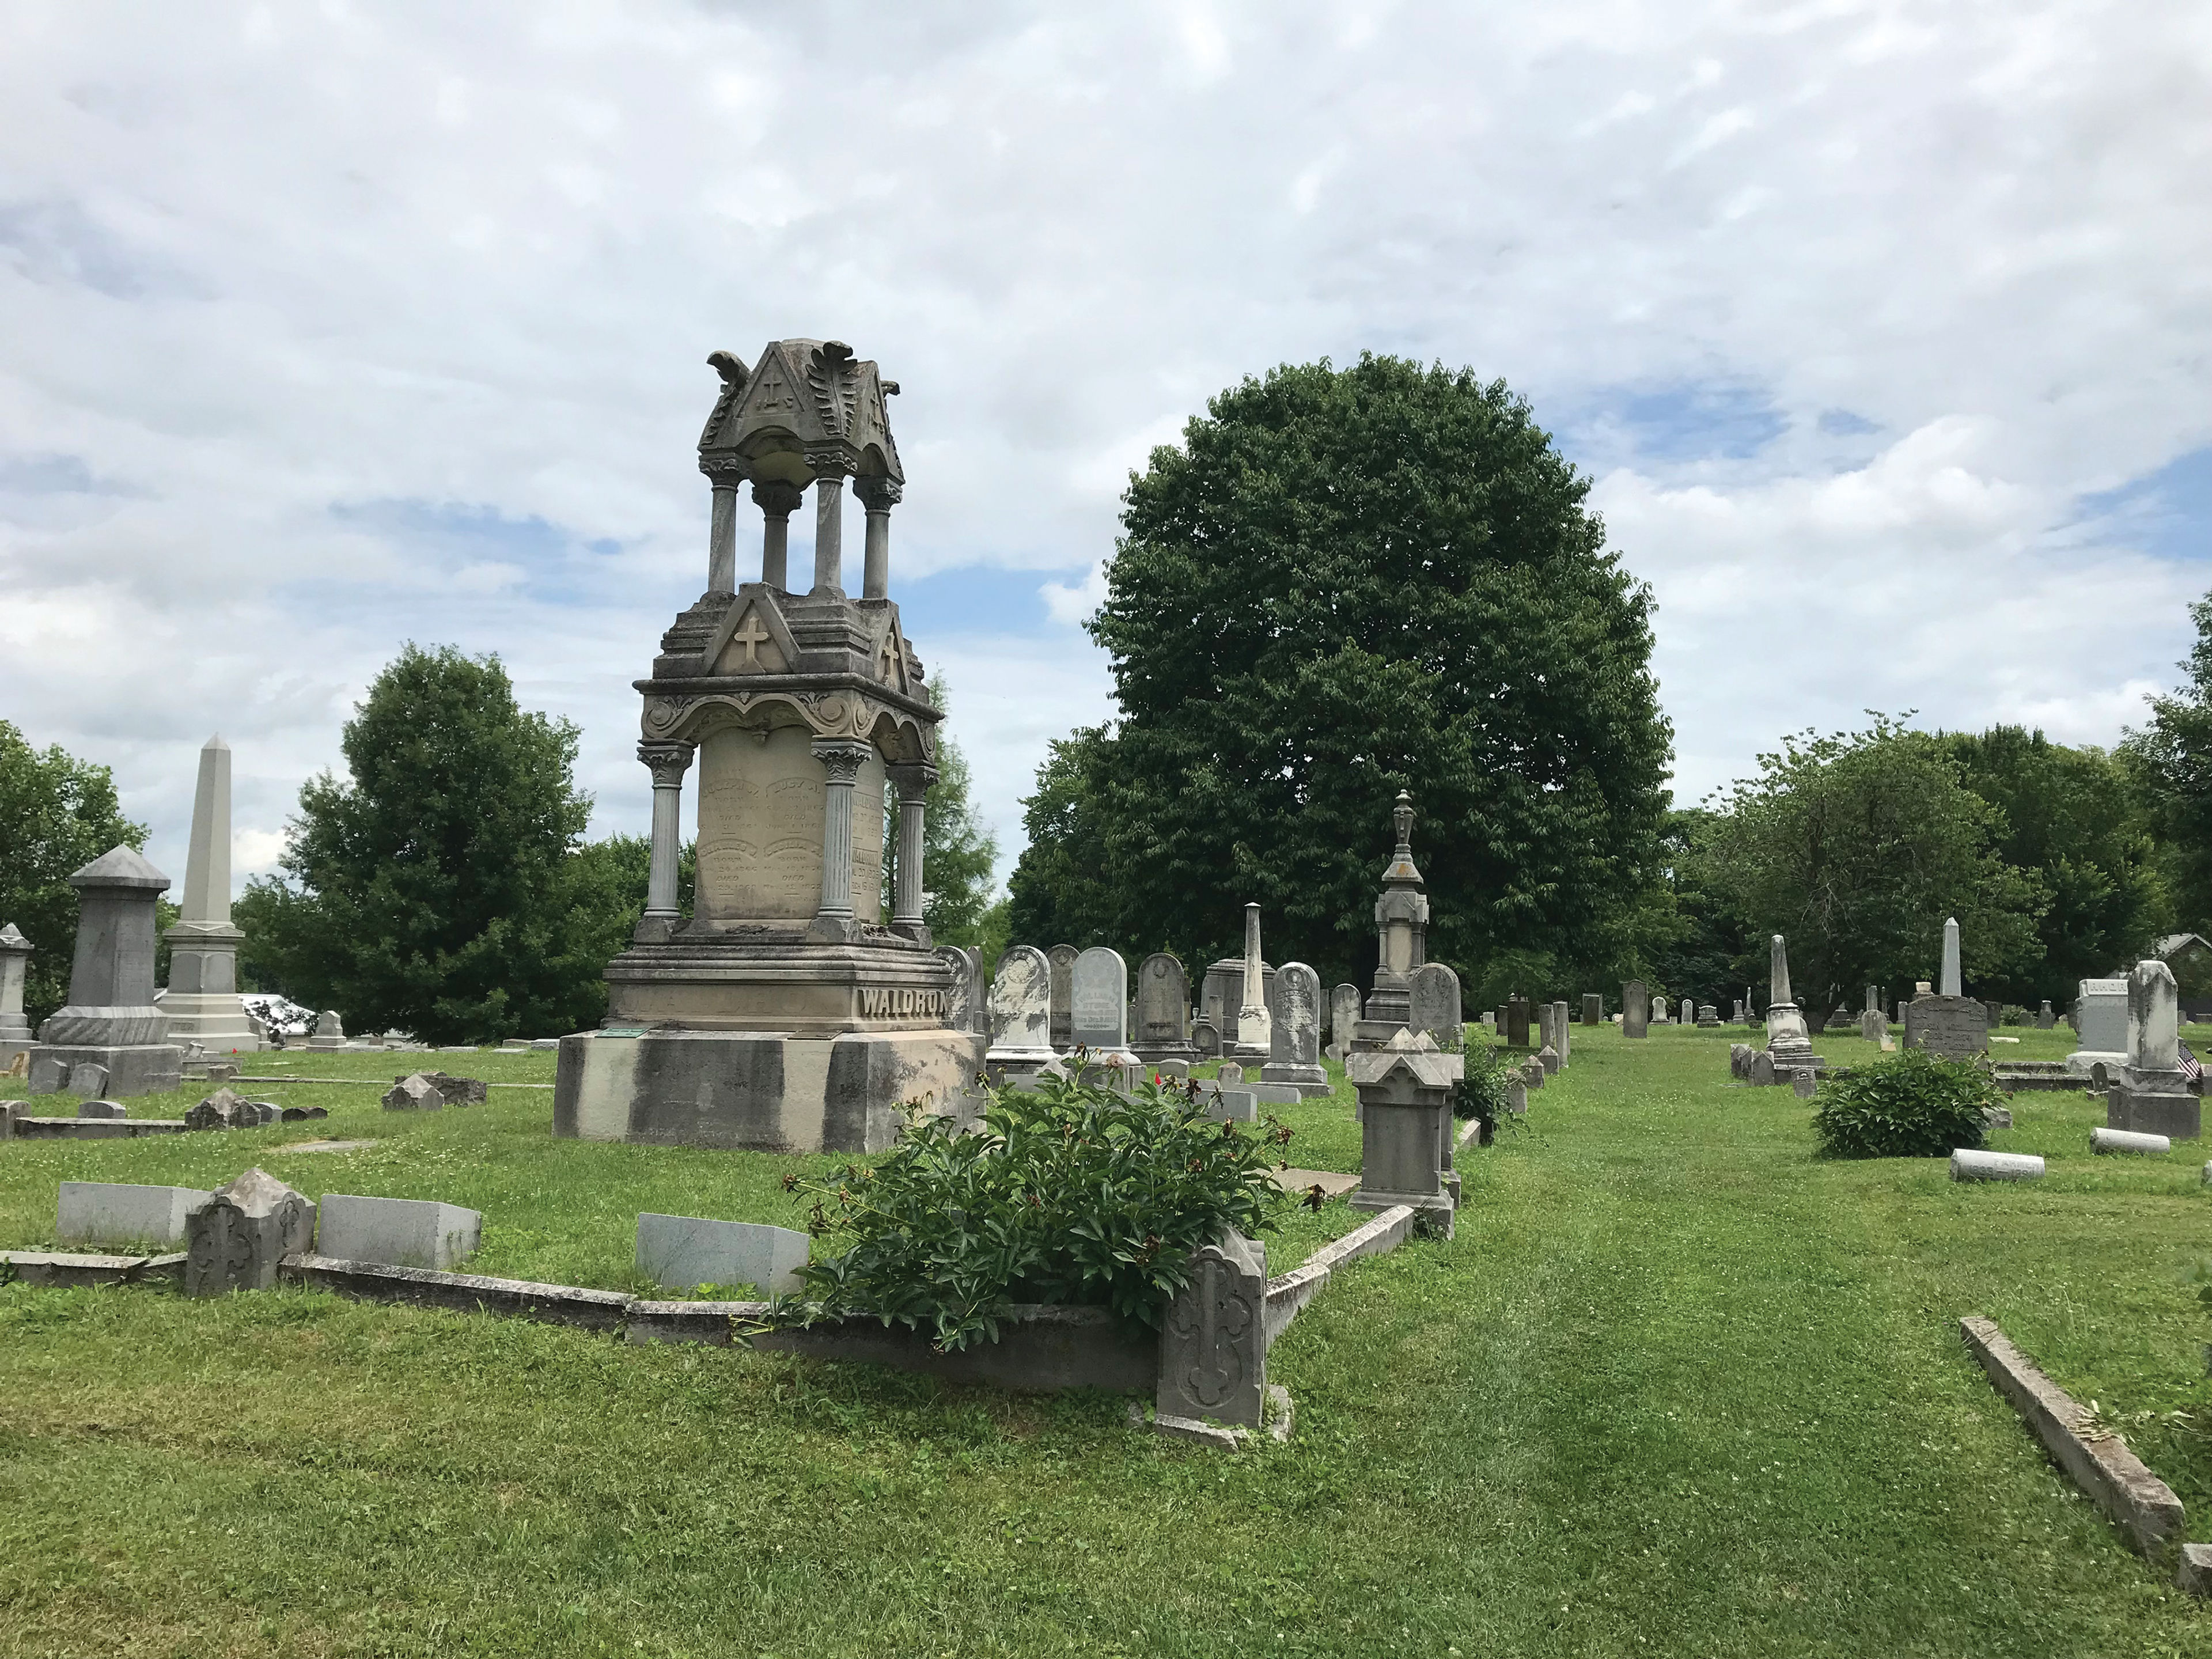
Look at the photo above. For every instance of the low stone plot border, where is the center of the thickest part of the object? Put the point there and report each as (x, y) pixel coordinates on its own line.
(2115, 1478)
(56, 1268)
(377, 1281)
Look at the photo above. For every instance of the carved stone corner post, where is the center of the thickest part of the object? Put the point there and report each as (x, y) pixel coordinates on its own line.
(829, 470)
(236, 1239)
(777, 501)
(668, 762)
(878, 495)
(912, 782)
(1213, 1343)
(841, 759)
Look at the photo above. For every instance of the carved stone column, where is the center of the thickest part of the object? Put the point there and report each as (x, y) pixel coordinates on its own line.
(722, 534)
(878, 495)
(668, 761)
(912, 782)
(777, 501)
(829, 523)
(841, 759)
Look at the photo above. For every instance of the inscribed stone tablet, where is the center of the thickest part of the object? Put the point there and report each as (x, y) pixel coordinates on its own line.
(1098, 999)
(1021, 1005)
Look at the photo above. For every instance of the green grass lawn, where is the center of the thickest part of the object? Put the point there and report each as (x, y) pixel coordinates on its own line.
(1676, 1387)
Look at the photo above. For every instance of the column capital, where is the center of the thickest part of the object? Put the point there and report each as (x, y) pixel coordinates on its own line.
(776, 496)
(724, 472)
(829, 466)
(914, 778)
(842, 758)
(877, 493)
(669, 762)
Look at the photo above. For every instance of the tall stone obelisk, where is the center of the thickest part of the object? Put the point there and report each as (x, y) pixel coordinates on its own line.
(1255, 1031)
(202, 1001)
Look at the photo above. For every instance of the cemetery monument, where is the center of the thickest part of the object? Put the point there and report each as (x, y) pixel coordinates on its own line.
(1789, 1046)
(1402, 925)
(110, 1039)
(202, 1001)
(786, 1013)
(15, 963)
(2149, 1093)
(1948, 1025)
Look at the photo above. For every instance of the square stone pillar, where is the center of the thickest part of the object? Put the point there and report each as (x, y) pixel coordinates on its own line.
(14, 963)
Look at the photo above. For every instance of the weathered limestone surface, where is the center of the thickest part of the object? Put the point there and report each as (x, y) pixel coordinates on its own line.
(111, 1019)
(682, 1252)
(2100, 1020)
(1021, 1008)
(104, 1212)
(1402, 925)
(1345, 1010)
(1294, 1037)
(1433, 1003)
(1163, 1030)
(1405, 1120)
(1969, 1163)
(1255, 1023)
(1098, 1003)
(1213, 1341)
(16, 1034)
(402, 1232)
(203, 1004)
(1062, 958)
(1635, 1010)
(2114, 1478)
(236, 1238)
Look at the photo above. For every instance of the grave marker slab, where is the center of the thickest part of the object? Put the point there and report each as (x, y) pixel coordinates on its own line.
(1099, 1001)
(1294, 1034)
(401, 1232)
(682, 1252)
(107, 1213)
(1213, 1343)
(234, 1240)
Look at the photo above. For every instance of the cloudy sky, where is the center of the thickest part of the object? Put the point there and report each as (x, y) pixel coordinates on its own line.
(1885, 331)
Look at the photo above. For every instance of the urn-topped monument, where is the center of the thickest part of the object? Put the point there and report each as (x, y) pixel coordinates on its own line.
(785, 1012)
(1401, 931)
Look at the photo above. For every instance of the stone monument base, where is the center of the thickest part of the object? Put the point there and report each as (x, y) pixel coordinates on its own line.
(1370, 1035)
(213, 1020)
(2154, 1102)
(138, 1068)
(1153, 1053)
(2082, 1061)
(756, 1091)
(1308, 1080)
(2178, 1116)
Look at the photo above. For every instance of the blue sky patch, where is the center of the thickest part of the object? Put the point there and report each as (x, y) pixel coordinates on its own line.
(2167, 513)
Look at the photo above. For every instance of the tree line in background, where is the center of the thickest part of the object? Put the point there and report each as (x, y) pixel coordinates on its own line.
(444, 886)
(1345, 583)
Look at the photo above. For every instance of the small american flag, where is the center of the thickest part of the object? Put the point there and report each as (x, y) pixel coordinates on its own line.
(2190, 1066)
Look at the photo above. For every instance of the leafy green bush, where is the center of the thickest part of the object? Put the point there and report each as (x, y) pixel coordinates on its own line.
(1070, 1194)
(2013, 1014)
(1913, 1106)
(1481, 1093)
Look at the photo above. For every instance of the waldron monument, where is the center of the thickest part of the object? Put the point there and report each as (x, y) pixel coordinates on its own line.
(785, 1013)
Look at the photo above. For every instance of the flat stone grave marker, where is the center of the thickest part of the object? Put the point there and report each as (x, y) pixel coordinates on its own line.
(108, 1212)
(679, 1252)
(399, 1232)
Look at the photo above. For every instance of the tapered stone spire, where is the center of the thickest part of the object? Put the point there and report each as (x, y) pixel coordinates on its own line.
(1255, 1031)
(1948, 985)
(202, 1001)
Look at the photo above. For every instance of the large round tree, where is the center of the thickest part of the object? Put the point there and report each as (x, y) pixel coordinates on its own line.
(1346, 583)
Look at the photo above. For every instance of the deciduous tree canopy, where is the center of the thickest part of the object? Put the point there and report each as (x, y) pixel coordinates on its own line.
(1345, 583)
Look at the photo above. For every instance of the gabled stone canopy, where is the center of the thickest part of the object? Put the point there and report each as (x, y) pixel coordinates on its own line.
(806, 409)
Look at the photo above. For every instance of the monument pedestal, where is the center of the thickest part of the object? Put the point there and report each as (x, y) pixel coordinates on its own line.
(756, 1091)
(202, 1002)
(1308, 1080)
(133, 1069)
(1950, 1028)
(2153, 1102)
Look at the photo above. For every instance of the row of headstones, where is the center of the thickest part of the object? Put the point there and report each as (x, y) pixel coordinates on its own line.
(234, 1236)
(221, 1110)
(1029, 1012)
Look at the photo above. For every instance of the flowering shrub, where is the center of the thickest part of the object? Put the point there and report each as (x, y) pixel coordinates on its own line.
(1071, 1192)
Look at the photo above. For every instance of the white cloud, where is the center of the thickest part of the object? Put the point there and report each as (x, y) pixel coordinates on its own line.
(340, 329)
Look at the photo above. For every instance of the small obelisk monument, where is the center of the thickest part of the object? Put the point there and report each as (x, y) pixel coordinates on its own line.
(202, 1001)
(1255, 1033)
